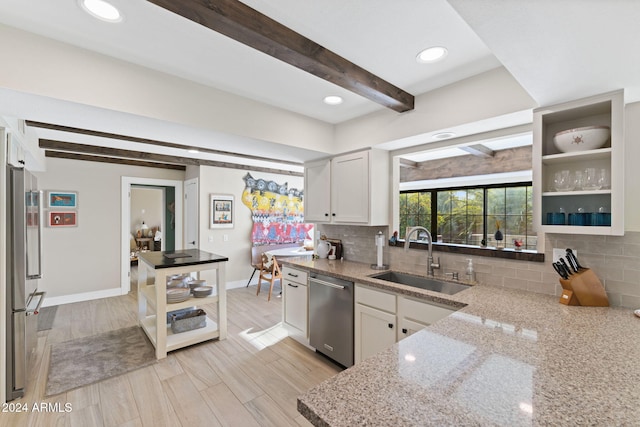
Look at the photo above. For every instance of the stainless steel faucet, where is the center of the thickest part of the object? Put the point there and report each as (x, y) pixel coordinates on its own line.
(430, 264)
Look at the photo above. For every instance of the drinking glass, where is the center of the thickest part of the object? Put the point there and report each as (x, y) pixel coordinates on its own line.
(603, 179)
(578, 180)
(590, 180)
(563, 181)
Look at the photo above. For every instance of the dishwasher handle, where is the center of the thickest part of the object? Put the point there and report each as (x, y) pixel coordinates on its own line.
(322, 282)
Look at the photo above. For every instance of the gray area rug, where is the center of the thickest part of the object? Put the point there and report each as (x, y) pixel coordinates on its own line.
(85, 361)
(46, 316)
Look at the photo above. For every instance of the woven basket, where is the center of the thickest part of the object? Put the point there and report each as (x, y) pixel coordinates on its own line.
(188, 321)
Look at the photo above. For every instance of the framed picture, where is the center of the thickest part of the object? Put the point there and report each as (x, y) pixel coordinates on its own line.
(62, 199)
(63, 218)
(221, 211)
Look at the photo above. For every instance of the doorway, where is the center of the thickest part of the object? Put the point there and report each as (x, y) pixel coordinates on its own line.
(170, 211)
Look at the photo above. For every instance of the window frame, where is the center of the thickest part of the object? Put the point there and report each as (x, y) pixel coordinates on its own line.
(527, 254)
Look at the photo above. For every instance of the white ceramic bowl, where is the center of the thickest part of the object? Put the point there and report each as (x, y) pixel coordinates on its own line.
(581, 139)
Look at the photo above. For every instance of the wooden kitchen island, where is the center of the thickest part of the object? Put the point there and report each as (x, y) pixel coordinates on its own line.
(153, 270)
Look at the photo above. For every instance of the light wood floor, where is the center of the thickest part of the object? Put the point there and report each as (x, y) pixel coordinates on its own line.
(250, 379)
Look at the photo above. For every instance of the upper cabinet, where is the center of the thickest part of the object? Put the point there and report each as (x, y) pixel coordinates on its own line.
(15, 152)
(348, 189)
(579, 189)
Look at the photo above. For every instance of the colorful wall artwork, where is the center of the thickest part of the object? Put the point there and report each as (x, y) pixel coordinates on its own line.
(277, 212)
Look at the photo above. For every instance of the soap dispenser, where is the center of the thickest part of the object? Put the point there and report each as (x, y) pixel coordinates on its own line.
(470, 273)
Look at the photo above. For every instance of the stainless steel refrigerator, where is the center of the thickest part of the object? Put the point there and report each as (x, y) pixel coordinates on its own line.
(24, 268)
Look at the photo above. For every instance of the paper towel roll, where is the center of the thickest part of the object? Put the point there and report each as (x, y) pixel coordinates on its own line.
(380, 246)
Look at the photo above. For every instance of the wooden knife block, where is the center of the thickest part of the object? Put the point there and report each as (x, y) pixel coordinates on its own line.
(583, 288)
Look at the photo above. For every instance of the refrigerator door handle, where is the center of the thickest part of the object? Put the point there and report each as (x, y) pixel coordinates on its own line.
(39, 198)
(37, 309)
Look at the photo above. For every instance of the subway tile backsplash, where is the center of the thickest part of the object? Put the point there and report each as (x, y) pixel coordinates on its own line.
(614, 259)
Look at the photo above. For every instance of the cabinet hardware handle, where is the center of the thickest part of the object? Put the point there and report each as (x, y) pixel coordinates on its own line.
(390, 325)
(404, 330)
(293, 286)
(292, 275)
(333, 214)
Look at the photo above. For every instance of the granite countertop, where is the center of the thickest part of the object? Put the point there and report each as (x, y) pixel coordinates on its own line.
(506, 357)
(184, 257)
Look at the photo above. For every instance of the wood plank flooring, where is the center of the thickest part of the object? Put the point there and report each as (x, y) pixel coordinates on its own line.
(250, 379)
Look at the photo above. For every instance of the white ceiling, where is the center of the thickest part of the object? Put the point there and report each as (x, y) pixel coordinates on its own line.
(551, 48)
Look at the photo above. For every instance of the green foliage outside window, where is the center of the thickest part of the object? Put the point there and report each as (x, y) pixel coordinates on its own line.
(467, 216)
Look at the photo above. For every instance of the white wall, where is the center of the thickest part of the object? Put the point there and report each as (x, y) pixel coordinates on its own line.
(71, 72)
(147, 206)
(632, 167)
(476, 99)
(215, 180)
(86, 259)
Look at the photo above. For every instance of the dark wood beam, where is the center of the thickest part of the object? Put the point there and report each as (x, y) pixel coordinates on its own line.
(240, 22)
(120, 137)
(121, 154)
(479, 150)
(102, 159)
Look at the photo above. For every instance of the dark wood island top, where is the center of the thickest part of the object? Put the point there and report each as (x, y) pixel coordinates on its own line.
(180, 258)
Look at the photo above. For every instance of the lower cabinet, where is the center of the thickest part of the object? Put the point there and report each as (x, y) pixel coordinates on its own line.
(375, 330)
(383, 318)
(295, 304)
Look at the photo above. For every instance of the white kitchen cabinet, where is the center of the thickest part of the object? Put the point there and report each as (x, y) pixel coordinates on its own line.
(295, 306)
(383, 318)
(317, 191)
(375, 331)
(348, 189)
(15, 152)
(375, 321)
(601, 110)
(414, 315)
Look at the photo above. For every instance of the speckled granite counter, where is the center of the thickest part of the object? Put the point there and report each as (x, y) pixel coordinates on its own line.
(504, 358)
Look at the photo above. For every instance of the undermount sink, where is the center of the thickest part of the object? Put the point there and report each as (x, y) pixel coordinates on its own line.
(421, 282)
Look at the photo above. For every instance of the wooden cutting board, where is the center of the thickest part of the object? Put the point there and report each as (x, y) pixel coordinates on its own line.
(586, 288)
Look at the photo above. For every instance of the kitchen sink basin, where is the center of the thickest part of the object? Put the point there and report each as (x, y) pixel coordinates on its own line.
(421, 282)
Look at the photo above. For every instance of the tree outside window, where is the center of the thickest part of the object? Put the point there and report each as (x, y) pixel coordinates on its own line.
(467, 216)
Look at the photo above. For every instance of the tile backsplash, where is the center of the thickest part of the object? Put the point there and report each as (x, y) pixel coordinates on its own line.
(614, 259)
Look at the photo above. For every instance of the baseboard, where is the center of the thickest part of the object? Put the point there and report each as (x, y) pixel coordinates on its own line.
(237, 284)
(86, 296)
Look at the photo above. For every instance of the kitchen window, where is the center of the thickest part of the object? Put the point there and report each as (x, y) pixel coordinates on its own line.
(470, 216)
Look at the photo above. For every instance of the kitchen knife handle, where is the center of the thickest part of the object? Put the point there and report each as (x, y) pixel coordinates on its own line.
(564, 264)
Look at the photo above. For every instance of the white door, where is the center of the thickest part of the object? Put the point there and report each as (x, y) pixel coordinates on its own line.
(191, 216)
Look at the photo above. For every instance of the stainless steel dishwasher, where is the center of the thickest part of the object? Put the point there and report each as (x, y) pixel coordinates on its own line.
(331, 317)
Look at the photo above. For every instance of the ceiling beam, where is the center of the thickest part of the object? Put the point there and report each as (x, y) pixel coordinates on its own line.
(128, 138)
(119, 161)
(478, 150)
(160, 159)
(240, 22)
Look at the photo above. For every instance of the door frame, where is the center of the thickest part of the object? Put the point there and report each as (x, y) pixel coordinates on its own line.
(196, 182)
(125, 221)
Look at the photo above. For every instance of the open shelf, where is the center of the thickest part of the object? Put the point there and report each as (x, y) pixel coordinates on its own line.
(183, 339)
(149, 292)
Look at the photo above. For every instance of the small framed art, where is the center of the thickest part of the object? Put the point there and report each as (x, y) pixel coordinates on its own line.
(63, 218)
(221, 207)
(62, 199)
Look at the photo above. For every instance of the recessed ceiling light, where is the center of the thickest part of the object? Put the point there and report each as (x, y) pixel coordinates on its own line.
(443, 135)
(102, 10)
(432, 54)
(333, 100)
